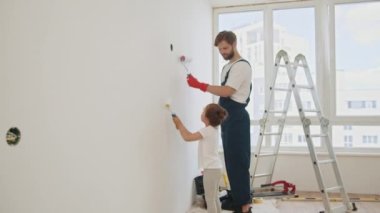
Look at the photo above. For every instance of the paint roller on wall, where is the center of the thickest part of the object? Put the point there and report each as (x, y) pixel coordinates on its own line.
(170, 110)
(183, 59)
(168, 107)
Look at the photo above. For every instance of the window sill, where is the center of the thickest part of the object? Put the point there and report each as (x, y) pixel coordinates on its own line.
(337, 153)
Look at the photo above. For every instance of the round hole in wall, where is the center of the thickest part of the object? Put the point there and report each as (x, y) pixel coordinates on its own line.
(13, 136)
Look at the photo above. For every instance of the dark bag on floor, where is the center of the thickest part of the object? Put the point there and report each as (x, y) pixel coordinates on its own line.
(199, 185)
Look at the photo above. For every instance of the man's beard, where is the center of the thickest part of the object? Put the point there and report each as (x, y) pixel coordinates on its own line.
(229, 56)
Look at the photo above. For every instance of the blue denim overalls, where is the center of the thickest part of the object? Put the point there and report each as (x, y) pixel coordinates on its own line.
(237, 146)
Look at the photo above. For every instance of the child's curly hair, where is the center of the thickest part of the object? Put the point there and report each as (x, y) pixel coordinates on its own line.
(215, 114)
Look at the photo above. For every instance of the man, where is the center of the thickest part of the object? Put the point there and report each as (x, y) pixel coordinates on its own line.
(234, 95)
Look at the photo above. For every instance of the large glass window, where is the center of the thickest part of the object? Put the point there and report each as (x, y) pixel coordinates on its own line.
(346, 54)
(357, 38)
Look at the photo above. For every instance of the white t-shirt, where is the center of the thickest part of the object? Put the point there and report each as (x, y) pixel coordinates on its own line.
(208, 155)
(239, 78)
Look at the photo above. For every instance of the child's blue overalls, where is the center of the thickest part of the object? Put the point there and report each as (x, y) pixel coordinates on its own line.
(237, 147)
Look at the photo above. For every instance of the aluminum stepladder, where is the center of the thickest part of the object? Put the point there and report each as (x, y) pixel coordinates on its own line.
(291, 68)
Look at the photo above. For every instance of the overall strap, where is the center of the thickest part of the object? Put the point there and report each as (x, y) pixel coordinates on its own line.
(228, 72)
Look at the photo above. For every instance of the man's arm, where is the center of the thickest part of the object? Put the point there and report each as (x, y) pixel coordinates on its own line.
(222, 91)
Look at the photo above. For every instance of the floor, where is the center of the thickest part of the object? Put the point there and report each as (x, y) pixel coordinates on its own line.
(278, 205)
(268, 206)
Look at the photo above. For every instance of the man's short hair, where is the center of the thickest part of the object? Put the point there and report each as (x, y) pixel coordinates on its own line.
(227, 36)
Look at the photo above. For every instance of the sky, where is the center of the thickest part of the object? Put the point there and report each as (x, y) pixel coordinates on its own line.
(358, 36)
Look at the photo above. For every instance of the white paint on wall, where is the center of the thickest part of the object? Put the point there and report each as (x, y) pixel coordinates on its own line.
(86, 83)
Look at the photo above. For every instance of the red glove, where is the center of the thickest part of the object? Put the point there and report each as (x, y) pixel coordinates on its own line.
(193, 82)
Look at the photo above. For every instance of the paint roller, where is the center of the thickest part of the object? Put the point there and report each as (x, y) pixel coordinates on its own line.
(183, 60)
(170, 110)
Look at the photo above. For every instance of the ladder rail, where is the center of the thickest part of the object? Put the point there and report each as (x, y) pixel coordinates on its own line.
(306, 128)
(281, 55)
(301, 58)
(324, 123)
(337, 173)
(264, 119)
(281, 129)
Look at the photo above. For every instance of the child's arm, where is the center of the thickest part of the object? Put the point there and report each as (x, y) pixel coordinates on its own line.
(186, 134)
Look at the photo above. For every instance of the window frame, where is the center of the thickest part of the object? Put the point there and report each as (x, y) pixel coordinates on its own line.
(324, 17)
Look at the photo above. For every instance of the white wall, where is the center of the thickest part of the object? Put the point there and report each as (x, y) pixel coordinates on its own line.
(360, 173)
(86, 83)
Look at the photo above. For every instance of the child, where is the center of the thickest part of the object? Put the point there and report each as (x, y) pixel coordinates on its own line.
(208, 157)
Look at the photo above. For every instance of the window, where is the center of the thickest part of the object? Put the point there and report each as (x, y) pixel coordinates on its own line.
(355, 104)
(357, 136)
(357, 69)
(361, 104)
(357, 44)
(348, 138)
(347, 127)
(368, 139)
(287, 138)
(301, 139)
(341, 42)
(348, 144)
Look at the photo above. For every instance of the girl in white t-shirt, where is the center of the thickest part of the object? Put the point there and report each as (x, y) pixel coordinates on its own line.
(208, 157)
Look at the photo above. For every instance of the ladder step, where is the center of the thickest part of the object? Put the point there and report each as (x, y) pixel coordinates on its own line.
(310, 110)
(263, 175)
(298, 65)
(267, 154)
(304, 87)
(318, 135)
(292, 64)
(270, 133)
(281, 89)
(326, 161)
(333, 189)
(283, 65)
(276, 111)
